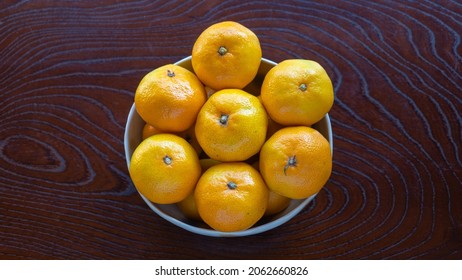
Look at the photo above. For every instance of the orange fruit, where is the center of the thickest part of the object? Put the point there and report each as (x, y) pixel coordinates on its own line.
(296, 162)
(232, 125)
(297, 92)
(189, 135)
(149, 130)
(158, 167)
(226, 55)
(169, 98)
(276, 203)
(188, 205)
(231, 196)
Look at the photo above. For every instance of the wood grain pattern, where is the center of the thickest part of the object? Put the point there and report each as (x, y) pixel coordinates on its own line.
(68, 72)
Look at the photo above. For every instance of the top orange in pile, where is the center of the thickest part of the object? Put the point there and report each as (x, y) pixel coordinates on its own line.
(226, 55)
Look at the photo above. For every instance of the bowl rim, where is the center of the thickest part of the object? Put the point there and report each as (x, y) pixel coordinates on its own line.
(211, 232)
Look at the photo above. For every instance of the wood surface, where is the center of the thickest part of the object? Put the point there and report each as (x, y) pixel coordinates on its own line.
(68, 72)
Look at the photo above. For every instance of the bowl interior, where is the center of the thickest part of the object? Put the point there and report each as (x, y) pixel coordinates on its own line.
(133, 137)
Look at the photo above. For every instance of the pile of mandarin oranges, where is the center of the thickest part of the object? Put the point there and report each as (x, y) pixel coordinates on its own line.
(224, 156)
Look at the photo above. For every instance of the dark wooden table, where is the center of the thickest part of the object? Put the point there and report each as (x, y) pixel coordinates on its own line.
(68, 72)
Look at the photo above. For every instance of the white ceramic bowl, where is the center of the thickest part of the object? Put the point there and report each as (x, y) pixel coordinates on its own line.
(132, 138)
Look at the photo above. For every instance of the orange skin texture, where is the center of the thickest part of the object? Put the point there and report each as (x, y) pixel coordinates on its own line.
(163, 181)
(170, 102)
(290, 105)
(244, 132)
(234, 69)
(231, 209)
(311, 169)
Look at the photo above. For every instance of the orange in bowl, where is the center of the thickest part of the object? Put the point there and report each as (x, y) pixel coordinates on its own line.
(170, 212)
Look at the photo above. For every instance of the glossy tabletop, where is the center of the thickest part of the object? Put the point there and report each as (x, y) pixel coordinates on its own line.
(68, 73)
